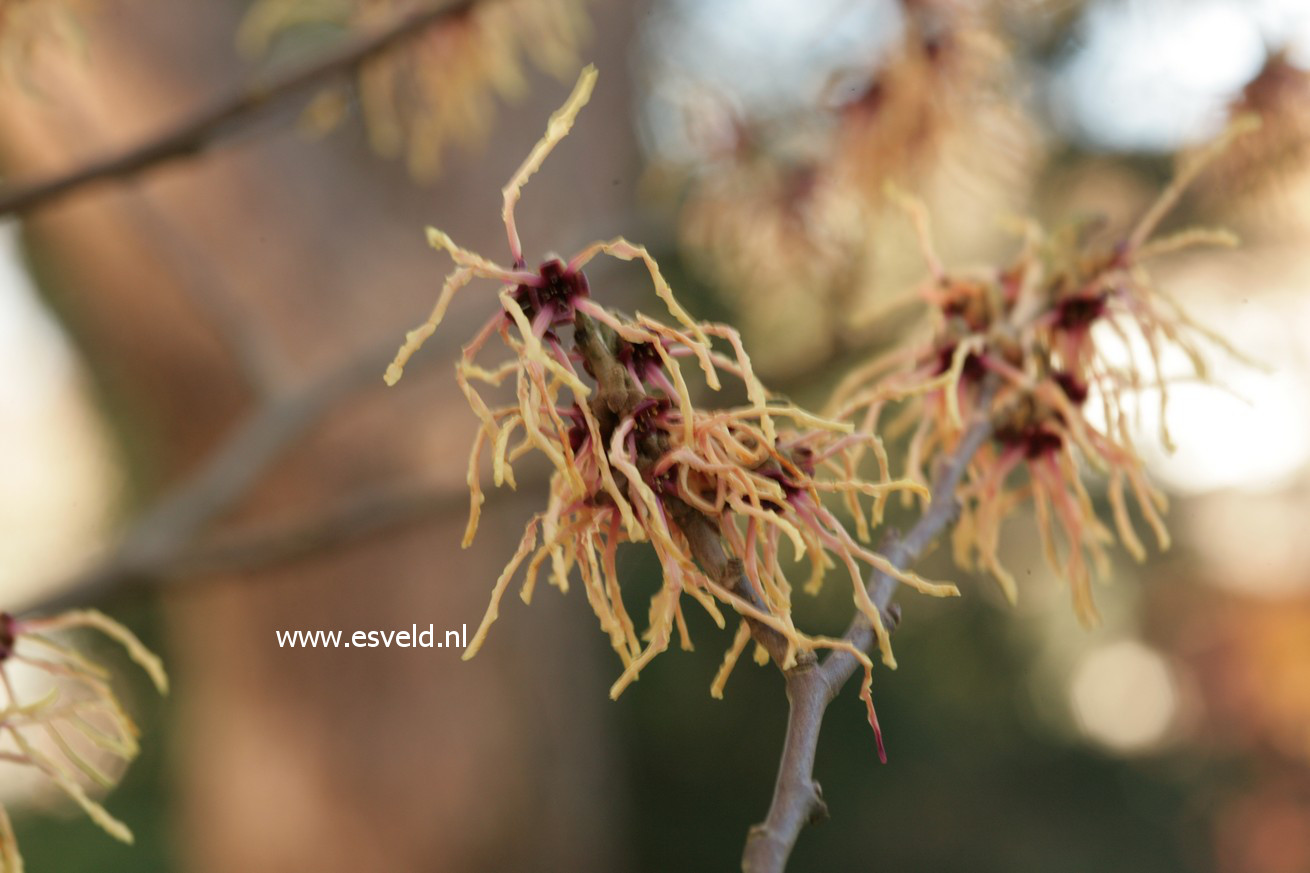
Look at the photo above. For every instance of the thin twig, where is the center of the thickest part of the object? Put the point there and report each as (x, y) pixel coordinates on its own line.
(797, 798)
(201, 282)
(164, 534)
(206, 128)
(262, 546)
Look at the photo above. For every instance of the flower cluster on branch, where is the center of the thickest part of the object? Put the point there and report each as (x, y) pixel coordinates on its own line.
(1038, 327)
(777, 200)
(440, 88)
(724, 496)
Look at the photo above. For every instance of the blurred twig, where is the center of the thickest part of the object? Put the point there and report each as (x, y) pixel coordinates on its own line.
(206, 128)
(258, 359)
(263, 546)
(811, 686)
(164, 538)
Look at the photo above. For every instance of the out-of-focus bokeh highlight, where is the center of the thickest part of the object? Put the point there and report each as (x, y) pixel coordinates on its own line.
(752, 144)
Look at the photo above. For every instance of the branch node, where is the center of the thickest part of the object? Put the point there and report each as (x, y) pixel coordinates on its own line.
(818, 806)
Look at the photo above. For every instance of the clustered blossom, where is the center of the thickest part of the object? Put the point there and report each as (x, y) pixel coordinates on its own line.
(759, 228)
(943, 83)
(718, 494)
(1023, 345)
(1279, 95)
(441, 86)
(778, 203)
(60, 732)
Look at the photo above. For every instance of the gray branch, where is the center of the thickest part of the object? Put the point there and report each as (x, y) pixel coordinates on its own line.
(797, 798)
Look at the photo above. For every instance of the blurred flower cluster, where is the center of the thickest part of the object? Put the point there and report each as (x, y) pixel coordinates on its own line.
(77, 725)
(440, 86)
(780, 203)
(1036, 345)
(1280, 96)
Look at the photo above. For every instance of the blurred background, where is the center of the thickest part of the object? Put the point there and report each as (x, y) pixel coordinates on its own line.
(194, 435)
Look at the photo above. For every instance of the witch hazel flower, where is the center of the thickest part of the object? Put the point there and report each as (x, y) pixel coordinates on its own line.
(1024, 346)
(66, 732)
(729, 499)
(440, 88)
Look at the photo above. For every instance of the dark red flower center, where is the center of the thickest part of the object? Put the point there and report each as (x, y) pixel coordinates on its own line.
(1034, 439)
(1079, 310)
(1073, 387)
(974, 367)
(579, 433)
(556, 295)
(641, 358)
(8, 636)
(790, 489)
(647, 413)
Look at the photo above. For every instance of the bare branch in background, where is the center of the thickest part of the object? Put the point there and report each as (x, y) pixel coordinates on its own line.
(260, 546)
(208, 127)
(258, 359)
(165, 535)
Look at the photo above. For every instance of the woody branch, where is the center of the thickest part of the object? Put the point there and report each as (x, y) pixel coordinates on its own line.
(812, 685)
